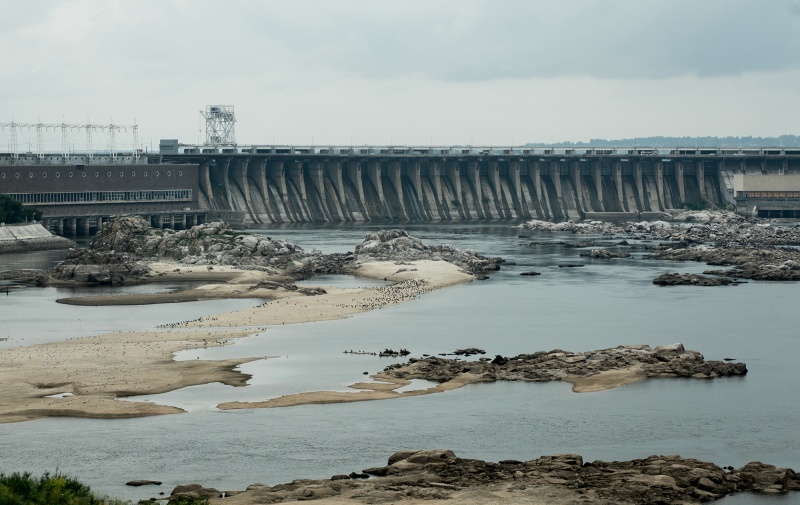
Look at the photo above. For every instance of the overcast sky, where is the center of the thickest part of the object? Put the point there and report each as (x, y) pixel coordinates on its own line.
(406, 71)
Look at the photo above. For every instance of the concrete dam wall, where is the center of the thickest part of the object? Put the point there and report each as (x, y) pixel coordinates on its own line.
(292, 190)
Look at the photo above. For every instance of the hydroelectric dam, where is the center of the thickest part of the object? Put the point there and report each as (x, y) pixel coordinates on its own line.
(280, 184)
(183, 185)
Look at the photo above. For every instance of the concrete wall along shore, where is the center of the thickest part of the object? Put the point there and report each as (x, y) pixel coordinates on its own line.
(29, 237)
(23, 232)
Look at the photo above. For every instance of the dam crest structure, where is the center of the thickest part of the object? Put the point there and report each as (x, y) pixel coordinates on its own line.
(283, 184)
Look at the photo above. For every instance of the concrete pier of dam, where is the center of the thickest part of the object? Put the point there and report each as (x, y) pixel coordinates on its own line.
(270, 184)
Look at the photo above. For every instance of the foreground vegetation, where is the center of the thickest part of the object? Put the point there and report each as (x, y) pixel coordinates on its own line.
(24, 489)
(12, 211)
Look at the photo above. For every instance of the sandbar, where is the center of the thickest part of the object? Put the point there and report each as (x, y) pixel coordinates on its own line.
(98, 370)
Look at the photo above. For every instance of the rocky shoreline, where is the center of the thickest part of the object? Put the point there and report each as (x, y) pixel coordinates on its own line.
(419, 476)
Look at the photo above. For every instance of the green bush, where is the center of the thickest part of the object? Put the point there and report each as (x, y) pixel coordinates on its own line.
(23, 489)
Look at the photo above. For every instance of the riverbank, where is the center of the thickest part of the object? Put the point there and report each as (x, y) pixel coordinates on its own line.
(416, 477)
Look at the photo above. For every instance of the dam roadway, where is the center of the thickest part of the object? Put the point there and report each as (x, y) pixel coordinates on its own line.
(271, 184)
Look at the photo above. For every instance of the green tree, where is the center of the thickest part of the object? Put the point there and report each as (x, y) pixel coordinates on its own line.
(12, 211)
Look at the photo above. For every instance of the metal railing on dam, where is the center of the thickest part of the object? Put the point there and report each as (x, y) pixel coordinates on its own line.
(275, 184)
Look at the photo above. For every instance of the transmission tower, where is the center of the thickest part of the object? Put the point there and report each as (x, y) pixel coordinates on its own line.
(66, 129)
(220, 125)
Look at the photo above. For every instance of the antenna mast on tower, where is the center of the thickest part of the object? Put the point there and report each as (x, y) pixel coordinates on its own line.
(220, 125)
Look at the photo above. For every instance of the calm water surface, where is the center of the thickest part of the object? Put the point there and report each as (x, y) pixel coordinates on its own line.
(604, 304)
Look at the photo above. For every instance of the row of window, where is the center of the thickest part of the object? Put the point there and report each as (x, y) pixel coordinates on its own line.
(83, 173)
(769, 194)
(105, 196)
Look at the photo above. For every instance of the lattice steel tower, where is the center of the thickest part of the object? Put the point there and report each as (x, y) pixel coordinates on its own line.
(220, 125)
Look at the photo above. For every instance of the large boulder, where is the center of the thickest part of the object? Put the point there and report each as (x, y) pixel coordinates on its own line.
(192, 492)
(86, 266)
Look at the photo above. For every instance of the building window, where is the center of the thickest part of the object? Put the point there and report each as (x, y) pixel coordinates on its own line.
(106, 196)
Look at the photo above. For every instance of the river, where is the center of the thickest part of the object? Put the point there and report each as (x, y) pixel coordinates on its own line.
(603, 304)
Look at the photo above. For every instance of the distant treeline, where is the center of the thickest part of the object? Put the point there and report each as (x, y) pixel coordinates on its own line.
(781, 141)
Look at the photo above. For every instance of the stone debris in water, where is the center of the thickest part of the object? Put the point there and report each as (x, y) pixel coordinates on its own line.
(605, 254)
(662, 361)
(676, 279)
(440, 474)
(758, 249)
(762, 264)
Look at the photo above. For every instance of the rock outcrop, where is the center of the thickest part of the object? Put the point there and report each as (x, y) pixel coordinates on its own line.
(662, 361)
(86, 266)
(205, 244)
(559, 479)
(398, 245)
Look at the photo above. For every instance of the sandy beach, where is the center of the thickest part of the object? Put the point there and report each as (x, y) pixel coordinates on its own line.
(85, 377)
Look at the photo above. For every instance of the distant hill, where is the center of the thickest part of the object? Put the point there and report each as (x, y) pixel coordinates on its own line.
(782, 141)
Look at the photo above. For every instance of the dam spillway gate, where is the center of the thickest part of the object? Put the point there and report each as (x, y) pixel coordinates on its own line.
(390, 184)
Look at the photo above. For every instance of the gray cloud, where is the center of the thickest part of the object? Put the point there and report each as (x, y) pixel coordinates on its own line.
(453, 40)
(480, 40)
(381, 66)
